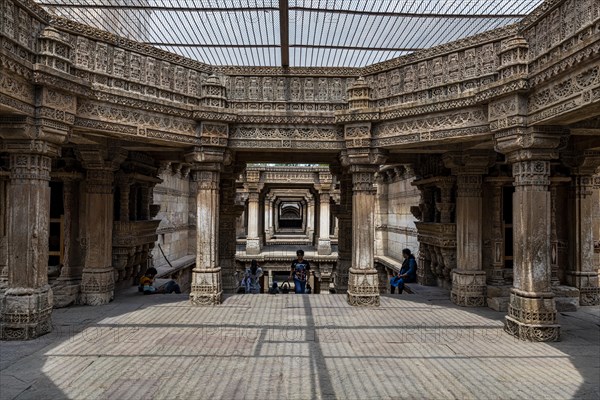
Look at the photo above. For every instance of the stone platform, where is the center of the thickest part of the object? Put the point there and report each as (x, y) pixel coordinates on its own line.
(298, 347)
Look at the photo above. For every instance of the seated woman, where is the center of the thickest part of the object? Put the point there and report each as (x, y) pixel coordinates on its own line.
(251, 280)
(407, 274)
(147, 284)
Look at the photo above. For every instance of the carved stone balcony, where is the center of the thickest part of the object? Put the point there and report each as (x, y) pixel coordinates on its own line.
(132, 245)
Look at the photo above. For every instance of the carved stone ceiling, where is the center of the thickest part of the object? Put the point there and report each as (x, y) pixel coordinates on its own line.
(295, 33)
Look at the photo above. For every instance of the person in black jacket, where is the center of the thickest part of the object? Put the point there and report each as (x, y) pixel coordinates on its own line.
(407, 274)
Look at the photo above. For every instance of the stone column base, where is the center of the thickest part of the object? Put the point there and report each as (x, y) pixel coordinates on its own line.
(97, 286)
(587, 283)
(589, 296)
(206, 287)
(468, 288)
(253, 246)
(532, 319)
(363, 287)
(324, 247)
(25, 313)
(66, 293)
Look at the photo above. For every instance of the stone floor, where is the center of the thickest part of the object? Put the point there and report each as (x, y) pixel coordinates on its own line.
(300, 347)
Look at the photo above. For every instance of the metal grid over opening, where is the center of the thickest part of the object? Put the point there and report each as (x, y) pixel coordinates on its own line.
(312, 33)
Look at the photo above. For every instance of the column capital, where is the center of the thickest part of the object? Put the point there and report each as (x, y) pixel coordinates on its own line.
(206, 176)
(469, 162)
(101, 157)
(208, 155)
(363, 156)
(532, 143)
(585, 162)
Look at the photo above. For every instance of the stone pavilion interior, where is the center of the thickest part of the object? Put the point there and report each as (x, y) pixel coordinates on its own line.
(480, 153)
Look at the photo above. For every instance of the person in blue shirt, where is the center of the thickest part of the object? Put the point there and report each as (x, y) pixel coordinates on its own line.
(300, 272)
(407, 274)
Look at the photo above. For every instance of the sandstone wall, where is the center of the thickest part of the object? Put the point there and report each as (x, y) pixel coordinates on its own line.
(175, 230)
(395, 223)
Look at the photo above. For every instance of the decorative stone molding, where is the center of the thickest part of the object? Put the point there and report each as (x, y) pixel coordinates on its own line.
(25, 313)
(532, 319)
(363, 287)
(213, 93)
(54, 50)
(359, 94)
(468, 288)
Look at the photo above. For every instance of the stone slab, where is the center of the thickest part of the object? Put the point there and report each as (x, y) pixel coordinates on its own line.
(298, 347)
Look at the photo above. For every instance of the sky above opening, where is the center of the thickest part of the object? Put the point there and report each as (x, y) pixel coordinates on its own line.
(321, 33)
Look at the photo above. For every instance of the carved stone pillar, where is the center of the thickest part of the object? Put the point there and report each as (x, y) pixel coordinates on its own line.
(582, 273)
(67, 289)
(26, 305)
(324, 247)
(124, 184)
(146, 199)
(468, 280)
(3, 233)
(206, 276)
(363, 283)
(229, 212)
(343, 212)
(532, 308)
(445, 206)
(310, 220)
(497, 274)
(555, 245)
(268, 216)
(97, 280)
(253, 245)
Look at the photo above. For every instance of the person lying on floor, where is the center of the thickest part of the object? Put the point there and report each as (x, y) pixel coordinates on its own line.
(147, 284)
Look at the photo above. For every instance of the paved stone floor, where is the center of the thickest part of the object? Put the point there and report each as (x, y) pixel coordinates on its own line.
(299, 347)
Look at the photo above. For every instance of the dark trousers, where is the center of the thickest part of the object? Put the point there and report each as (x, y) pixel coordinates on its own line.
(299, 286)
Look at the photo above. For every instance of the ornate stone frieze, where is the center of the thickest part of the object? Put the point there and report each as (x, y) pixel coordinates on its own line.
(309, 137)
(573, 92)
(457, 46)
(549, 71)
(463, 123)
(357, 135)
(280, 71)
(16, 88)
(126, 116)
(556, 31)
(103, 36)
(286, 91)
